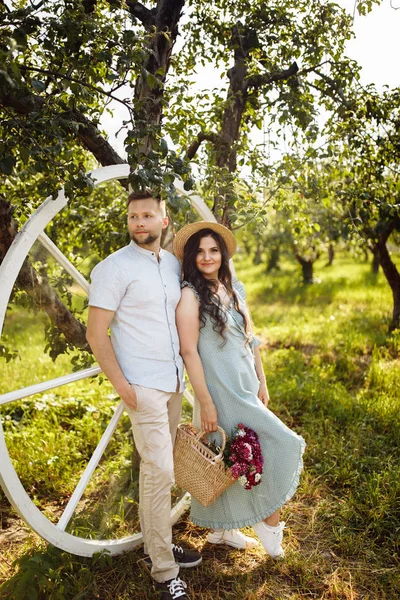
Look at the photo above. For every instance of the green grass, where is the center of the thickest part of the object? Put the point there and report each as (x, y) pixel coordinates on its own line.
(334, 376)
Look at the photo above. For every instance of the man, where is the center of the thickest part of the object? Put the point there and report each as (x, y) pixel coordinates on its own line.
(134, 292)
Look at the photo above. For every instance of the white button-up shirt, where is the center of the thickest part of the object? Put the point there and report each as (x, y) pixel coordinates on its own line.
(143, 292)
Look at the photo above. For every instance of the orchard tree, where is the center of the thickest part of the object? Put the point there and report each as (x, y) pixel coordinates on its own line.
(63, 62)
(307, 209)
(368, 159)
(278, 61)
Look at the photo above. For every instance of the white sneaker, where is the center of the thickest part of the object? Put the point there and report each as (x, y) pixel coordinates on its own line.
(271, 538)
(231, 537)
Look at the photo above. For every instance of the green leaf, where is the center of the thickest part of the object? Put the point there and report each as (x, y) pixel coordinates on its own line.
(38, 85)
(152, 81)
(31, 593)
(188, 185)
(163, 147)
(7, 164)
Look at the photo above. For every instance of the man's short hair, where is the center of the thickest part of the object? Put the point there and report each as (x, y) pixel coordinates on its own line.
(142, 195)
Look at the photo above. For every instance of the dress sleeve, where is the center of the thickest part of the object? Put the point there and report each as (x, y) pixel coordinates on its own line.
(239, 288)
(191, 286)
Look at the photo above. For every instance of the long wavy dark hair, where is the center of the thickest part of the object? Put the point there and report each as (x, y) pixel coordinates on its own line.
(207, 288)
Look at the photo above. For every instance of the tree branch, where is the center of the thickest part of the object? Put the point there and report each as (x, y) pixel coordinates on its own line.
(88, 134)
(331, 93)
(22, 105)
(75, 80)
(259, 81)
(335, 89)
(146, 17)
(201, 137)
(168, 14)
(93, 140)
(2, 2)
(148, 105)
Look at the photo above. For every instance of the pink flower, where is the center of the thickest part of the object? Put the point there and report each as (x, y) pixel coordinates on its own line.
(243, 456)
(249, 453)
(235, 470)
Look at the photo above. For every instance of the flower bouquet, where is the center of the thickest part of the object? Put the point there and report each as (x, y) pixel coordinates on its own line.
(243, 456)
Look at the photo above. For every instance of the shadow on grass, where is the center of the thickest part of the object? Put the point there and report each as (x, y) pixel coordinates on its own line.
(317, 563)
(52, 574)
(225, 573)
(286, 286)
(291, 290)
(112, 510)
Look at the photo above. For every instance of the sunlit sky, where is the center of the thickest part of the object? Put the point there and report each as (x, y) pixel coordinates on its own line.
(376, 47)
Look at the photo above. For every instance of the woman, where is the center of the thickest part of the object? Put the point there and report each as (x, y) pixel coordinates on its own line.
(225, 369)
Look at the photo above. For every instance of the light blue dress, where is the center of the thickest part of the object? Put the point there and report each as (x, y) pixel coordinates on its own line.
(232, 382)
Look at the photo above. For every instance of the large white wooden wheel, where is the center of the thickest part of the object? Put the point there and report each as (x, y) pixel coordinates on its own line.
(55, 533)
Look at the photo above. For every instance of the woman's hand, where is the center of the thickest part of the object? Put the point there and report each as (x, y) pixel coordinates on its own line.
(263, 393)
(208, 416)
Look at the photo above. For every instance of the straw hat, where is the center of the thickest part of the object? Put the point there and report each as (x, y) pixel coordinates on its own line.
(188, 230)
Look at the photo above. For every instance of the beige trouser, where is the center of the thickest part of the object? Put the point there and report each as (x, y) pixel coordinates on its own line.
(154, 426)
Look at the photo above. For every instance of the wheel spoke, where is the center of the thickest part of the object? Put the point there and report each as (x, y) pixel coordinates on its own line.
(88, 472)
(189, 397)
(38, 388)
(63, 260)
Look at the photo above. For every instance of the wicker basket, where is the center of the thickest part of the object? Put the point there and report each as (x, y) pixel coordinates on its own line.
(197, 469)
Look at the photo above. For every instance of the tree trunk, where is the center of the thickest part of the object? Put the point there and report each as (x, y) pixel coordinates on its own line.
(225, 147)
(375, 260)
(273, 260)
(307, 268)
(247, 246)
(331, 255)
(243, 41)
(395, 323)
(162, 22)
(257, 254)
(37, 286)
(391, 273)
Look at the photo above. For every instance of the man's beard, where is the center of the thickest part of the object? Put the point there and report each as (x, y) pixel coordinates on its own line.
(144, 241)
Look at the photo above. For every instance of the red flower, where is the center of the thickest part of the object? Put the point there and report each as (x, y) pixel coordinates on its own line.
(243, 456)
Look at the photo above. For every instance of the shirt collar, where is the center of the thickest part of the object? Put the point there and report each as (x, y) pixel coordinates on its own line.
(145, 252)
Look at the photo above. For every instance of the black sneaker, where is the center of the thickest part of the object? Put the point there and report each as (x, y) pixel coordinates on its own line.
(173, 589)
(185, 558)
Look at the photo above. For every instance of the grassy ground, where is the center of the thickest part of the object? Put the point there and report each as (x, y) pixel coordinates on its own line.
(334, 376)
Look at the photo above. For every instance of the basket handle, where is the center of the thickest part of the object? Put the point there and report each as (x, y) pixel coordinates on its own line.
(223, 435)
